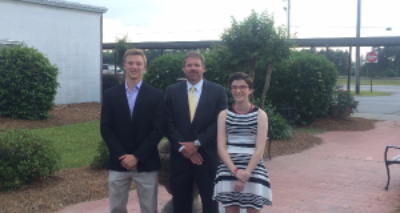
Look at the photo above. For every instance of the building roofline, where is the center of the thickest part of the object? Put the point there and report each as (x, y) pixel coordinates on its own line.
(300, 42)
(69, 5)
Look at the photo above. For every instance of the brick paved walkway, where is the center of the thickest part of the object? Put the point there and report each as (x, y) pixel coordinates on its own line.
(344, 174)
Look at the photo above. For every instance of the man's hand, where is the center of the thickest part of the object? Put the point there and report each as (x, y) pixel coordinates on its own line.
(196, 159)
(239, 186)
(189, 149)
(242, 175)
(128, 161)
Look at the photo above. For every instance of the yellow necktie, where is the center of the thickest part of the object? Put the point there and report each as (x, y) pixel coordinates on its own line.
(192, 103)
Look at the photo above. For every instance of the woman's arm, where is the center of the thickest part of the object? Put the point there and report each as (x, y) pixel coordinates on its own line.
(221, 140)
(262, 129)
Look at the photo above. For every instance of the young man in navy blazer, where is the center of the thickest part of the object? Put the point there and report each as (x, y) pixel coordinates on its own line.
(192, 134)
(132, 125)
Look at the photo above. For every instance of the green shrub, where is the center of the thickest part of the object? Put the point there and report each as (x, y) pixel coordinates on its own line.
(100, 161)
(304, 82)
(28, 83)
(165, 70)
(280, 128)
(389, 73)
(343, 103)
(25, 159)
(109, 81)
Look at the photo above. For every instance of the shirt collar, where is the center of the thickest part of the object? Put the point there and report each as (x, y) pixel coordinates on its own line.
(198, 86)
(137, 87)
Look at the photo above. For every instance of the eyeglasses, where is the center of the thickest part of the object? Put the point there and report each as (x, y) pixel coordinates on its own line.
(241, 87)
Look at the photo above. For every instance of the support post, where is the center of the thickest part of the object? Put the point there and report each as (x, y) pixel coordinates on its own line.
(115, 62)
(349, 70)
(288, 19)
(357, 71)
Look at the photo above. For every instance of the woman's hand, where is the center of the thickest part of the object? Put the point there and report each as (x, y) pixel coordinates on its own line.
(239, 186)
(242, 175)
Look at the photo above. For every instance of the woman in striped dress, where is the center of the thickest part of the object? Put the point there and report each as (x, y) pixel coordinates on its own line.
(242, 180)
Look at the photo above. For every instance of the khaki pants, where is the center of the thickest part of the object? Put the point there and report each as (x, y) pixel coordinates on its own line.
(146, 188)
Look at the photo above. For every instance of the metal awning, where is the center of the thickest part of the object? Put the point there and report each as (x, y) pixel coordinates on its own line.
(7, 43)
(299, 42)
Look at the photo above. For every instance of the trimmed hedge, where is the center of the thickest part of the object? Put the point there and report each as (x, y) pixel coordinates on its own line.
(165, 70)
(109, 81)
(100, 161)
(25, 159)
(28, 83)
(304, 82)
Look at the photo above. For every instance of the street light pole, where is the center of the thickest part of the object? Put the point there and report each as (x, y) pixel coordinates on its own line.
(288, 18)
(357, 71)
(287, 9)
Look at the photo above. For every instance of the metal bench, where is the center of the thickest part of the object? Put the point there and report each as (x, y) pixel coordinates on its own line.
(395, 160)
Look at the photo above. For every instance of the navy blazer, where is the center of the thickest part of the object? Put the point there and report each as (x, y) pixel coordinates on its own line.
(138, 135)
(204, 126)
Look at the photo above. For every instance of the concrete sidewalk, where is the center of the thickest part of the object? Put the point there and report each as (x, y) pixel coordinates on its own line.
(344, 174)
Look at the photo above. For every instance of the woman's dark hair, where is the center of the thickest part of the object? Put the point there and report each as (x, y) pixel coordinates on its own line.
(241, 76)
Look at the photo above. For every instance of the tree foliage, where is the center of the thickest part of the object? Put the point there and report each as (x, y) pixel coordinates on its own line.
(255, 39)
(121, 47)
(339, 58)
(388, 62)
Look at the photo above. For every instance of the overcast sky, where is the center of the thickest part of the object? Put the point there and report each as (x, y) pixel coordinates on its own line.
(183, 20)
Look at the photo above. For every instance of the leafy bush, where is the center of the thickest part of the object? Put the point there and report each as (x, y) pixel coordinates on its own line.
(28, 83)
(280, 128)
(25, 159)
(100, 161)
(165, 70)
(110, 81)
(342, 102)
(304, 82)
(389, 73)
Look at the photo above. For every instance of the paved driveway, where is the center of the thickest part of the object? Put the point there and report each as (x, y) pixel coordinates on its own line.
(380, 107)
(345, 174)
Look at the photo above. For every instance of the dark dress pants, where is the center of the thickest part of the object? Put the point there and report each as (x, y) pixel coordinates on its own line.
(182, 190)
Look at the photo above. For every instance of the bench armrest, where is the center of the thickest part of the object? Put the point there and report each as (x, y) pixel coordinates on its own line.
(387, 148)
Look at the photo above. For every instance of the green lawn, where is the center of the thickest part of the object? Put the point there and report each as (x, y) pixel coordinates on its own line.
(367, 81)
(76, 143)
(368, 93)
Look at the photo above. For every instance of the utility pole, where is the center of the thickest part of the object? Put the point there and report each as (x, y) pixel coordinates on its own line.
(288, 19)
(287, 9)
(357, 71)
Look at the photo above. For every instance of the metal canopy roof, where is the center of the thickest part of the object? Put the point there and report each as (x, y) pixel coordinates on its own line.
(302, 42)
(7, 43)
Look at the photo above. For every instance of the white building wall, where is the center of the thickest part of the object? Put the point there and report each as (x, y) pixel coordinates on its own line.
(69, 38)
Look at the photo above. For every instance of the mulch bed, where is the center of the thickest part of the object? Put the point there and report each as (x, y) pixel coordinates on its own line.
(61, 115)
(84, 184)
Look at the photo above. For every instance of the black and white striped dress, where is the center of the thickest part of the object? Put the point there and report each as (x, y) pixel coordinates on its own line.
(242, 132)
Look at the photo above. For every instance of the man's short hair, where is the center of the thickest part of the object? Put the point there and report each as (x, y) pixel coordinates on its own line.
(194, 54)
(241, 76)
(135, 51)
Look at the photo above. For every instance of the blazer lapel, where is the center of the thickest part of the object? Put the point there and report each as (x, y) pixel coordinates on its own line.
(202, 102)
(141, 97)
(124, 100)
(182, 94)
